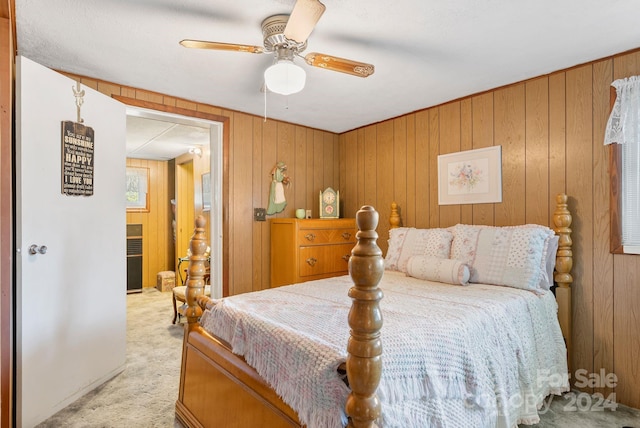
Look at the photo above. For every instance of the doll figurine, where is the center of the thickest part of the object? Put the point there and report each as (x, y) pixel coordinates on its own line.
(279, 179)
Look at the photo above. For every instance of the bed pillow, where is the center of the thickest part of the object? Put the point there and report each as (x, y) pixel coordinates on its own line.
(512, 256)
(449, 271)
(405, 242)
(549, 262)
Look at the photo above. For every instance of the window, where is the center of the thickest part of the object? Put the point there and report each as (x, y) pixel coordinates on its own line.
(136, 192)
(623, 129)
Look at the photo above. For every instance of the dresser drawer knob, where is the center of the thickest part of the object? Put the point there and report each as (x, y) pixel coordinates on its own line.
(346, 235)
(310, 236)
(311, 261)
(346, 257)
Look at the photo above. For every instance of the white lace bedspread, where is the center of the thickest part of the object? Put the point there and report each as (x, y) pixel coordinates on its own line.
(453, 356)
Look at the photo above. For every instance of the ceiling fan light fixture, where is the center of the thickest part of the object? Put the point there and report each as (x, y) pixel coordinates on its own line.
(284, 77)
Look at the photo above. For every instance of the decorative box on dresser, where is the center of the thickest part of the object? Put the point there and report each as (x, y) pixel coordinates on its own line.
(307, 249)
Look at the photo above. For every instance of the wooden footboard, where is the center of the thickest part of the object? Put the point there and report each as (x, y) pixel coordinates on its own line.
(219, 389)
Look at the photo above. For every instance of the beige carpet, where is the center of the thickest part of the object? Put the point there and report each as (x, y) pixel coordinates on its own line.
(144, 394)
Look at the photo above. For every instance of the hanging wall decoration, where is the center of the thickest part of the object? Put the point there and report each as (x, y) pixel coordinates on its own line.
(77, 153)
(279, 179)
(470, 177)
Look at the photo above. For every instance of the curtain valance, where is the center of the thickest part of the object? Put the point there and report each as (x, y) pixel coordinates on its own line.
(623, 126)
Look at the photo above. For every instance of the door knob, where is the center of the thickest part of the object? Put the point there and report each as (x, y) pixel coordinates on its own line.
(34, 249)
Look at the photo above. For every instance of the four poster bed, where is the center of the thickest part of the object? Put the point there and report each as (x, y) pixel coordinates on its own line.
(472, 336)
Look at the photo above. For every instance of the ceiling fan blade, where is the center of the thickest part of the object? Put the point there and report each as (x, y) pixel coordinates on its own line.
(303, 19)
(342, 65)
(200, 44)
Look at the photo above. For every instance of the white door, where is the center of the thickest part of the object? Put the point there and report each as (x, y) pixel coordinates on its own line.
(71, 300)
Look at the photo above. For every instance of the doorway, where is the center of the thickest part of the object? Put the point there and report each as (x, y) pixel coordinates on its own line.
(193, 148)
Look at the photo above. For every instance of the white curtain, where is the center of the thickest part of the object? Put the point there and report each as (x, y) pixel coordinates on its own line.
(623, 128)
(624, 123)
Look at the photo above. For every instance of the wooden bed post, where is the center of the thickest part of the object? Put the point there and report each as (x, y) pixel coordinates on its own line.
(564, 262)
(197, 269)
(364, 359)
(394, 218)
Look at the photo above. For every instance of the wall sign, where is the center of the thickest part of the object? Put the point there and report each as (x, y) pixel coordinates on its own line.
(77, 159)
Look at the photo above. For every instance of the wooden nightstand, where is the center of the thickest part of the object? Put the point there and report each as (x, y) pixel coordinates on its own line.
(308, 249)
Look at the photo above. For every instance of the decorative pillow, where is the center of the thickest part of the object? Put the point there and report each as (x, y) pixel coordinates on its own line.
(513, 256)
(436, 269)
(549, 262)
(405, 242)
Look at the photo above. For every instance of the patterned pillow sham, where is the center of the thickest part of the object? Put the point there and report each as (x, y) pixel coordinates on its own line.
(449, 271)
(512, 256)
(405, 242)
(549, 262)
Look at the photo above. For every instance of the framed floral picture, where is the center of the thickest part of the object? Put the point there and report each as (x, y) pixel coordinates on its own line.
(206, 191)
(470, 177)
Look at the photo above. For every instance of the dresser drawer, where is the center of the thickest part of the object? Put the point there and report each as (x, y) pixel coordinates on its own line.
(326, 236)
(326, 259)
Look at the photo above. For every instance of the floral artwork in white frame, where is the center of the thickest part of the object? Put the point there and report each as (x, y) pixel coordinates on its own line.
(470, 177)
(206, 191)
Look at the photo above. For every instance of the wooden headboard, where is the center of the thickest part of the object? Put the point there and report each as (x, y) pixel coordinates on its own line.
(564, 262)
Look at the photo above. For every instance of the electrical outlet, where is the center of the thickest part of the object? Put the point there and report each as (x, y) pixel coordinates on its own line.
(259, 214)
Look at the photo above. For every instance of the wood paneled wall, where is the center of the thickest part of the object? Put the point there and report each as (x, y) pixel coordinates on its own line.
(255, 146)
(551, 130)
(7, 46)
(157, 236)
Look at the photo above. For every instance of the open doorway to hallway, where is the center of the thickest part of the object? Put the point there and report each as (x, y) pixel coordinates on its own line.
(183, 157)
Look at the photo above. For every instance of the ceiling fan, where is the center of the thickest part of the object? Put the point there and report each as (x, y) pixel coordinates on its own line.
(286, 36)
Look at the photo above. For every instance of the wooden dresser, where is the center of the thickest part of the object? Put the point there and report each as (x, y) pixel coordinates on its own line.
(304, 250)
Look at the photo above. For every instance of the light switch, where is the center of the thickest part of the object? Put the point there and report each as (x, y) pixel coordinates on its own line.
(259, 214)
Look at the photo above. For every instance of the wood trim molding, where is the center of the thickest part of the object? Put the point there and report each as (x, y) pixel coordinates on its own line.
(225, 167)
(7, 82)
(615, 203)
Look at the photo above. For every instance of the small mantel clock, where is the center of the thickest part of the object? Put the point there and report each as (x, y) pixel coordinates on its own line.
(329, 203)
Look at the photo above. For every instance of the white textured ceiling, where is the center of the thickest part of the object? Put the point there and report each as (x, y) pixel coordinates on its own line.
(425, 52)
(162, 137)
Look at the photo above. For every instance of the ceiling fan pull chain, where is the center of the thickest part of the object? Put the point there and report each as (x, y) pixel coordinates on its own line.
(265, 102)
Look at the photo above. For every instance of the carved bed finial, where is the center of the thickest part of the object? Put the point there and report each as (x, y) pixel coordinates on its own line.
(364, 359)
(394, 219)
(564, 262)
(197, 269)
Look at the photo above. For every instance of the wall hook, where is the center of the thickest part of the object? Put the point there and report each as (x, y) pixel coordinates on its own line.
(79, 94)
